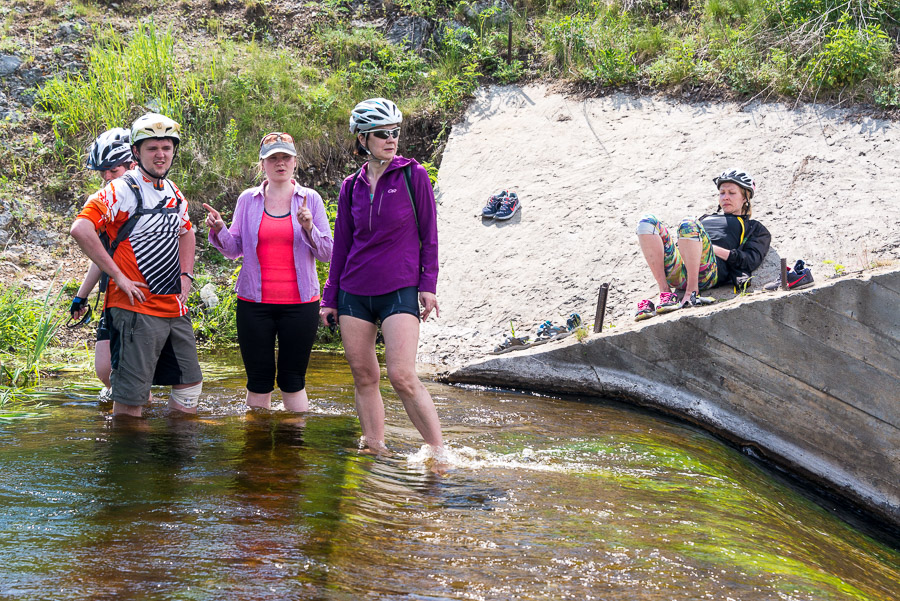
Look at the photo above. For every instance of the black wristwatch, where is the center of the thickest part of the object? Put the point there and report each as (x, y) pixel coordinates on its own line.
(189, 275)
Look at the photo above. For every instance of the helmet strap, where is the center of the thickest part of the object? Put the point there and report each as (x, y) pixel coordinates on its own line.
(371, 157)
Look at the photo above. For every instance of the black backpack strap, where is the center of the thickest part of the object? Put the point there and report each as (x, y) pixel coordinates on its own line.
(407, 178)
(125, 230)
(128, 226)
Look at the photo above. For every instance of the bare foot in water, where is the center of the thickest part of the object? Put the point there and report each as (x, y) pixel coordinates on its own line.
(376, 447)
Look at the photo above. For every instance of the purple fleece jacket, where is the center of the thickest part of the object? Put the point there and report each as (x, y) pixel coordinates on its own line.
(242, 238)
(376, 245)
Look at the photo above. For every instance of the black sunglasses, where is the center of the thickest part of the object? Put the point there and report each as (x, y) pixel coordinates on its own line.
(384, 134)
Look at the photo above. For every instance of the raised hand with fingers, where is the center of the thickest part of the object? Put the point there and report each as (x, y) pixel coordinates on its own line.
(213, 218)
(304, 216)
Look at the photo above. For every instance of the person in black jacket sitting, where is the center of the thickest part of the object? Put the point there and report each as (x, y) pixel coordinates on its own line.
(724, 247)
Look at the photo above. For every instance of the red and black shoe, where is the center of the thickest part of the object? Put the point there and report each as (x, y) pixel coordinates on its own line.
(798, 277)
(508, 207)
(493, 205)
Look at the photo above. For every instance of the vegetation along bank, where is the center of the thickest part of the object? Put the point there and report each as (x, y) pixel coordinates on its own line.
(229, 70)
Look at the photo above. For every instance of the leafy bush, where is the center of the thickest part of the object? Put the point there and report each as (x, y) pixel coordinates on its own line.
(678, 64)
(215, 325)
(851, 55)
(613, 66)
(449, 93)
(27, 328)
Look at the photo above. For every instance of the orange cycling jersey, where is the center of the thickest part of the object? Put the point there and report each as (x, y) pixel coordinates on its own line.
(150, 253)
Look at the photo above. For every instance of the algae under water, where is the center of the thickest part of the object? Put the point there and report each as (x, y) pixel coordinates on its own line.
(545, 499)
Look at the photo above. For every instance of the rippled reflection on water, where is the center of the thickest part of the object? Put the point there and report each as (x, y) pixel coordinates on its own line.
(547, 499)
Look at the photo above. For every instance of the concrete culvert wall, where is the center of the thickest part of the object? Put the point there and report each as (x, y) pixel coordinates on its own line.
(811, 378)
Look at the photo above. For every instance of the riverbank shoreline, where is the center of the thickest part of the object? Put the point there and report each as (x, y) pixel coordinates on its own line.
(587, 169)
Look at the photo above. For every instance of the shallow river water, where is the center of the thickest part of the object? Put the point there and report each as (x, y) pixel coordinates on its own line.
(546, 499)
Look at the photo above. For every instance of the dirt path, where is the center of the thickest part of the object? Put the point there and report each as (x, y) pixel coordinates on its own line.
(586, 171)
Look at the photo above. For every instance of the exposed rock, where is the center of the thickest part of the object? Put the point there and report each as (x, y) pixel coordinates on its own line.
(14, 252)
(68, 31)
(13, 116)
(8, 64)
(42, 238)
(502, 14)
(411, 32)
(208, 295)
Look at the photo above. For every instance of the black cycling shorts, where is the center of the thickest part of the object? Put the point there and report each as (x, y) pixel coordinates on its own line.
(104, 326)
(378, 308)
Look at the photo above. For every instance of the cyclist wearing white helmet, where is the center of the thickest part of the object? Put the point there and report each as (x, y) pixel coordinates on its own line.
(110, 154)
(384, 264)
(725, 246)
(154, 140)
(150, 259)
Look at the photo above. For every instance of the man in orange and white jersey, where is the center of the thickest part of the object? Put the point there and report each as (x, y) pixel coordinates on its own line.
(150, 263)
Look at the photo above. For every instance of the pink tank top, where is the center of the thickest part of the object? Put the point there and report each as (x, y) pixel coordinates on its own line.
(275, 250)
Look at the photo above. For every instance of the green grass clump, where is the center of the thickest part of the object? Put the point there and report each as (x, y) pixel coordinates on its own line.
(27, 327)
(811, 49)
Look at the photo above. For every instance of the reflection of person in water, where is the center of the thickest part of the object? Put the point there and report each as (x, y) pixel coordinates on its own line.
(136, 478)
(293, 475)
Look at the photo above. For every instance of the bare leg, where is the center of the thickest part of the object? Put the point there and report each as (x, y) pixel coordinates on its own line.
(358, 336)
(259, 400)
(129, 410)
(654, 254)
(101, 361)
(296, 401)
(401, 341)
(690, 253)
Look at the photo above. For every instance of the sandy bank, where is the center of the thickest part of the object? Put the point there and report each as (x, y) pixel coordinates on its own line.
(587, 169)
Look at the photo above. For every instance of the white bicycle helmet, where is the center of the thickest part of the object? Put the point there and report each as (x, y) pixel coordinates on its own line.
(372, 113)
(739, 177)
(110, 149)
(154, 125)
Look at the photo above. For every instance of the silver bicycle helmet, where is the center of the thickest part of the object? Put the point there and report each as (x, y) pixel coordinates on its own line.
(739, 177)
(372, 113)
(110, 149)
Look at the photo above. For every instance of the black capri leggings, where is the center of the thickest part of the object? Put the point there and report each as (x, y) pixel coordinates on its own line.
(258, 326)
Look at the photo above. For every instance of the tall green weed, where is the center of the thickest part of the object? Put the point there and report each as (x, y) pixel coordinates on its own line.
(27, 328)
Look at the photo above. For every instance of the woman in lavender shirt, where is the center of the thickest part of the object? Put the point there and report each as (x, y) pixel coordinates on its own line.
(385, 263)
(281, 229)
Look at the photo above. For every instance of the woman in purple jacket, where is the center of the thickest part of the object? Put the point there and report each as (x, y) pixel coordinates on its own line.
(385, 263)
(281, 229)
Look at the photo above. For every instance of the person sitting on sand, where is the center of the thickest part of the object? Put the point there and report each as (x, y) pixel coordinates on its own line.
(714, 249)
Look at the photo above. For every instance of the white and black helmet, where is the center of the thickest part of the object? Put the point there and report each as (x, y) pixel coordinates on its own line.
(372, 113)
(739, 177)
(110, 149)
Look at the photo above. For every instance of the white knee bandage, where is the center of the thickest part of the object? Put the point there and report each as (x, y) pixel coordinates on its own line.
(187, 397)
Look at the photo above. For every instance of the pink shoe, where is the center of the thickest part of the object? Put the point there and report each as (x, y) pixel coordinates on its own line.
(646, 310)
(668, 302)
